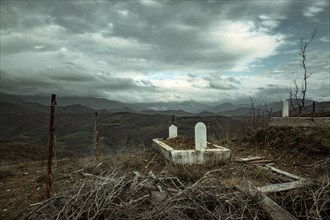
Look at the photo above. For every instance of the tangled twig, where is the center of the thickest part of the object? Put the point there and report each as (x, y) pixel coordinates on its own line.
(132, 196)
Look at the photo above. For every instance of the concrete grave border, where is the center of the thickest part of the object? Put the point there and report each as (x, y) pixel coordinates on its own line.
(191, 156)
(286, 120)
(200, 155)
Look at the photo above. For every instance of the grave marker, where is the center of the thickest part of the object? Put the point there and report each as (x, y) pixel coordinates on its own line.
(173, 131)
(200, 136)
(285, 109)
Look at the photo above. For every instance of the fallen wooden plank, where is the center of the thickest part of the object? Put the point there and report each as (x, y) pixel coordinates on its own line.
(274, 210)
(35, 204)
(77, 171)
(261, 161)
(281, 186)
(249, 159)
(276, 170)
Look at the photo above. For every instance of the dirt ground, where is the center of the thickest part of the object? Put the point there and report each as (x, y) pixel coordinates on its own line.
(184, 143)
(301, 152)
(22, 185)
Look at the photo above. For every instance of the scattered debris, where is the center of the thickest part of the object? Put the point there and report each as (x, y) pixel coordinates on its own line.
(276, 170)
(135, 196)
(275, 211)
(146, 166)
(281, 186)
(248, 159)
(261, 161)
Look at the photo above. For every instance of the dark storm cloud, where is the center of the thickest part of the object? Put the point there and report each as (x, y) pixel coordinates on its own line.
(271, 89)
(183, 39)
(97, 46)
(222, 85)
(25, 84)
(272, 92)
(68, 76)
(73, 84)
(18, 43)
(114, 83)
(216, 82)
(180, 41)
(233, 80)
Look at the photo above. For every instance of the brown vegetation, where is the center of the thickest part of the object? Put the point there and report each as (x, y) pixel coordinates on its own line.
(183, 143)
(140, 184)
(138, 196)
(11, 152)
(304, 151)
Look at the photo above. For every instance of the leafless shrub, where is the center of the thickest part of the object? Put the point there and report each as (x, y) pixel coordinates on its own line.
(136, 196)
(309, 202)
(174, 192)
(241, 126)
(259, 115)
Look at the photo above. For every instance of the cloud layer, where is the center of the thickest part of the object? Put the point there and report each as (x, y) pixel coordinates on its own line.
(144, 51)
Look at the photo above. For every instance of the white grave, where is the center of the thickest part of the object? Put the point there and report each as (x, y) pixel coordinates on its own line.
(172, 131)
(200, 137)
(285, 109)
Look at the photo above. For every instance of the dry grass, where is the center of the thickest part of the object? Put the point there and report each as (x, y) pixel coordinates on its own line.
(148, 196)
(136, 196)
(141, 185)
(309, 202)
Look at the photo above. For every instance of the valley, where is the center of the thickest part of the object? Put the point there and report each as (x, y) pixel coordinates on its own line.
(127, 158)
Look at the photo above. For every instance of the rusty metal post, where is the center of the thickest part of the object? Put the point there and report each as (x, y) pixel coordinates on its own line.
(50, 145)
(313, 107)
(172, 119)
(97, 137)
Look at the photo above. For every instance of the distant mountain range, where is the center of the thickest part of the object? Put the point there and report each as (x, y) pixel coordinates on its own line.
(94, 103)
(29, 104)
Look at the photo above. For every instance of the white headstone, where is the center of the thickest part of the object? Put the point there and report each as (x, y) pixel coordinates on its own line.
(200, 136)
(285, 109)
(172, 131)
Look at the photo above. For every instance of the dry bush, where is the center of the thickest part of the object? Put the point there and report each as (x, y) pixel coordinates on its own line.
(239, 127)
(136, 196)
(309, 202)
(310, 141)
(189, 174)
(131, 191)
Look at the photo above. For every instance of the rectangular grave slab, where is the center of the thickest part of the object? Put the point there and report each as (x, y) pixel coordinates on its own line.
(216, 154)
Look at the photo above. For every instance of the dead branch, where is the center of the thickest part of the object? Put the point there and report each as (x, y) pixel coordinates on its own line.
(298, 97)
(135, 196)
(275, 211)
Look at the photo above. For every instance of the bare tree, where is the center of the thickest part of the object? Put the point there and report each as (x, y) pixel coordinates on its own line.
(298, 94)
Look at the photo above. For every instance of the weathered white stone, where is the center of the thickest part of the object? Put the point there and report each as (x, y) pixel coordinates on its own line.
(191, 156)
(285, 109)
(173, 131)
(200, 136)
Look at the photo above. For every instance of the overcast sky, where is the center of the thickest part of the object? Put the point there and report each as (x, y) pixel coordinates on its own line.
(146, 51)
